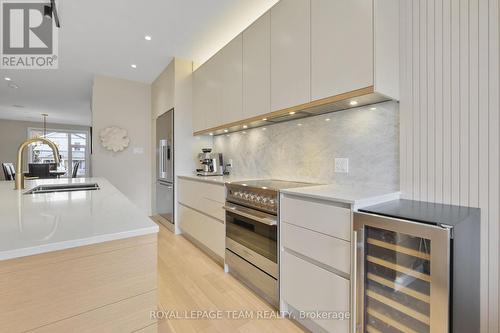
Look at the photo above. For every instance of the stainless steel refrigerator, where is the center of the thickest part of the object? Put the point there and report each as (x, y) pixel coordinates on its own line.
(165, 168)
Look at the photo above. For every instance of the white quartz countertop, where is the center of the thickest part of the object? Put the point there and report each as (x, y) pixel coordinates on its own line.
(39, 223)
(356, 196)
(215, 179)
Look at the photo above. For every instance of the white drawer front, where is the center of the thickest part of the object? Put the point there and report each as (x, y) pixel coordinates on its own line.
(207, 198)
(208, 231)
(330, 251)
(320, 216)
(307, 287)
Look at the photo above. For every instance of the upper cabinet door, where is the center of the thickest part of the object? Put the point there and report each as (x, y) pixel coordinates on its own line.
(290, 53)
(229, 67)
(342, 46)
(257, 67)
(206, 98)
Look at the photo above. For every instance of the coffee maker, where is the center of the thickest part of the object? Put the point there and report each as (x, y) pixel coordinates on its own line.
(212, 164)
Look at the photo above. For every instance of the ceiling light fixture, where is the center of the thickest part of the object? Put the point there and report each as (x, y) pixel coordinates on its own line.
(7, 78)
(226, 130)
(373, 109)
(299, 124)
(147, 37)
(134, 66)
(264, 119)
(327, 119)
(245, 126)
(353, 103)
(210, 133)
(291, 113)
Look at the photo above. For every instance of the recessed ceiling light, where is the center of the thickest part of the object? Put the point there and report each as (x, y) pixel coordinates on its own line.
(373, 109)
(7, 78)
(327, 119)
(299, 124)
(264, 119)
(291, 113)
(133, 66)
(353, 102)
(210, 133)
(147, 37)
(245, 126)
(226, 130)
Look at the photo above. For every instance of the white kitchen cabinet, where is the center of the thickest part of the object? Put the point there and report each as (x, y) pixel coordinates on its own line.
(315, 265)
(206, 108)
(207, 231)
(229, 69)
(333, 219)
(257, 68)
(309, 288)
(341, 46)
(200, 214)
(290, 53)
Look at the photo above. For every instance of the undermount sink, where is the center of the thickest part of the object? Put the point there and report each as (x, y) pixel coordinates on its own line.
(63, 188)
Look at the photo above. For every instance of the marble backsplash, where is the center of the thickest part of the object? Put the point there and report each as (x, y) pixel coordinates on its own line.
(305, 149)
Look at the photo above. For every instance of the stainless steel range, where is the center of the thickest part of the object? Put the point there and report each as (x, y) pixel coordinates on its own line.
(252, 249)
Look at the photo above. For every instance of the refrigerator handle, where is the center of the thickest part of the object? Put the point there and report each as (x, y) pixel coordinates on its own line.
(160, 159)
(168, 151)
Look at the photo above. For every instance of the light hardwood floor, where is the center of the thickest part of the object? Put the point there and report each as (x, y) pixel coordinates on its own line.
(190, 280)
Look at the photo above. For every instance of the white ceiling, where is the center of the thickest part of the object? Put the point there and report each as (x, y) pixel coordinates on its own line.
(107, 36)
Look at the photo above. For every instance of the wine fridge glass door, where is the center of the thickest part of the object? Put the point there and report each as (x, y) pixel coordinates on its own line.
(402, 278)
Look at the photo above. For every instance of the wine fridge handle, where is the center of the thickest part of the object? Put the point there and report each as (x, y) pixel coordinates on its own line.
(354, 281)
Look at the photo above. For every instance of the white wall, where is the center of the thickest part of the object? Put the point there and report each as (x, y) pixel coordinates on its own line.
(126, 104)
(450, 118)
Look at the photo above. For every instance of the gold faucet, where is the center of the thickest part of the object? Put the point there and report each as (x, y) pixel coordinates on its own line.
(20, 162)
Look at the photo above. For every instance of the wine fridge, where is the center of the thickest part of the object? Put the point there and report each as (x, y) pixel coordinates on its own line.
(417, 268)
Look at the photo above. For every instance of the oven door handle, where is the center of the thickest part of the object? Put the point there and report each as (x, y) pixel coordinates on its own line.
(246, 213)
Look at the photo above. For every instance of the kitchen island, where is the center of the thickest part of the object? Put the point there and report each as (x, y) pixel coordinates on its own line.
(74, 261)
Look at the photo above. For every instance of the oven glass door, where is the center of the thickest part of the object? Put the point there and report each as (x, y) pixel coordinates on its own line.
(256, 236)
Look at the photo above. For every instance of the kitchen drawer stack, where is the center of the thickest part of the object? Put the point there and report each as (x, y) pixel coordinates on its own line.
(316, 262)
(201, 216)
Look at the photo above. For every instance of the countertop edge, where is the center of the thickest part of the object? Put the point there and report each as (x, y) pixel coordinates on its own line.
(65, 245)
(357, 203)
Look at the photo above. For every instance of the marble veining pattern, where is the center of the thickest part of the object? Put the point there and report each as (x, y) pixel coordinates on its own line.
(305, 149)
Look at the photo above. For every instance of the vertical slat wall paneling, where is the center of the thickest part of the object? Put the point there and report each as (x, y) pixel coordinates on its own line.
(423, 124)
(473, 103)
(450, 118)
(494, 157)
(416, 99)
(455, 102)
(431, 102)
(446, 70)
(483, 154)
(438, 61)
(464, 103)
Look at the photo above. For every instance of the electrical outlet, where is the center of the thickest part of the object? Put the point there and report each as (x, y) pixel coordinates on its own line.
(342, 165)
